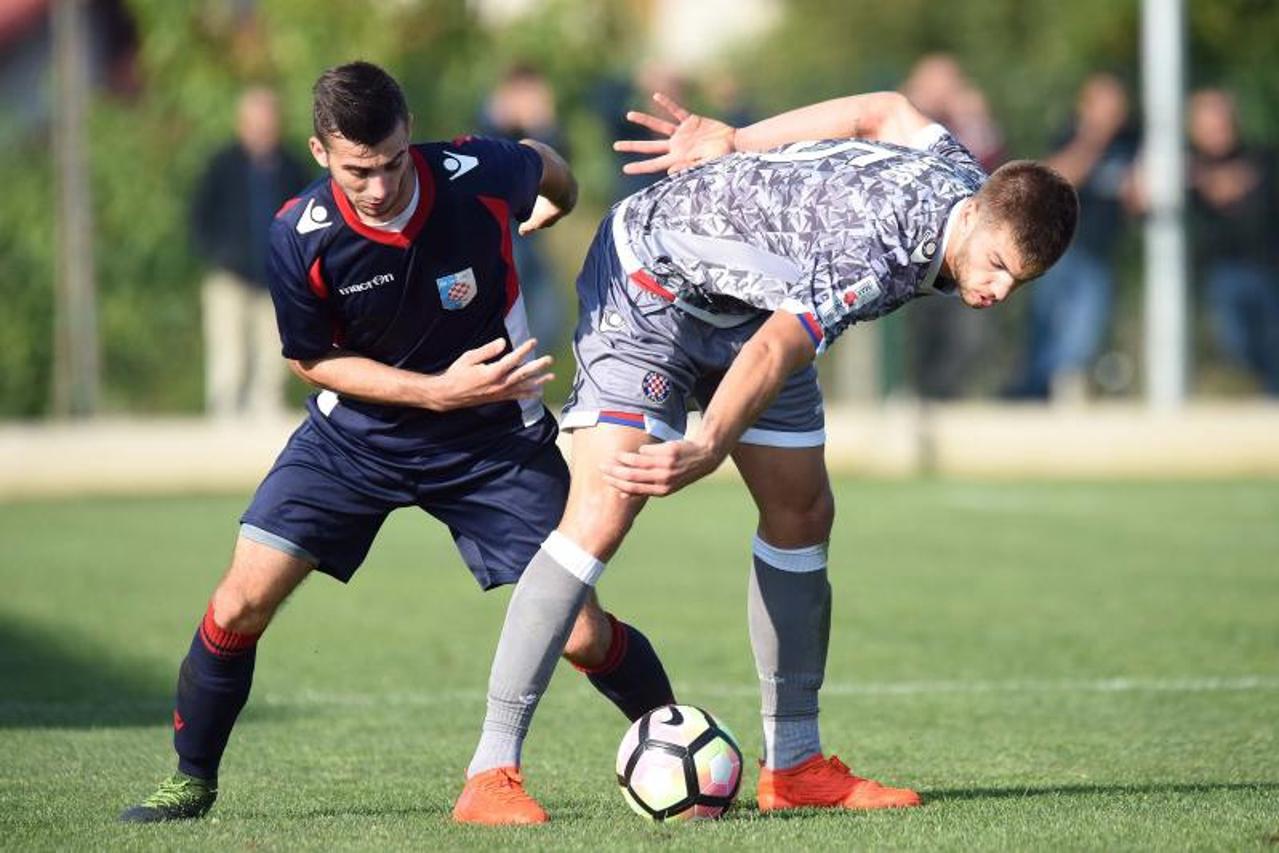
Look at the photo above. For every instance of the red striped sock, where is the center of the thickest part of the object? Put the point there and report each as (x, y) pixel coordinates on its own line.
(221, 641)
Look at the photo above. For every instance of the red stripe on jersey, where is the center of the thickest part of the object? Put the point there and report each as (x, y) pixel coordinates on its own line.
(647, 282)
(613, 416)
(502, 213)
(315, 278)
(813, 329)
(287, 206)
(399, 239)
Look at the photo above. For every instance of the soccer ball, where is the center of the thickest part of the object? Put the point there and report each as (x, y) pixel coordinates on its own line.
(678, 762)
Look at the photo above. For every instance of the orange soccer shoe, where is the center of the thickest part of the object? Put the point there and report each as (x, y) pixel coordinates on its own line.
(496, 798)
(826, 783)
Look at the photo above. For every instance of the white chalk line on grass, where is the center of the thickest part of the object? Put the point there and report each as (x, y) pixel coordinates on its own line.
(416, 698)
(889, 688)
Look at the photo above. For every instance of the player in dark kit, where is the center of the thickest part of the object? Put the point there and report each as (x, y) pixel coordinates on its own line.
(720, 285)
(395, 293)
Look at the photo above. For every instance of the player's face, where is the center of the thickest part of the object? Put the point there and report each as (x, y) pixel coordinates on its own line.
(376, 179)
(988, 267)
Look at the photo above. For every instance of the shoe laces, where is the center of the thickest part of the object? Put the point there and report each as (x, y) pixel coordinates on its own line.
(507, 786)
(173, 792)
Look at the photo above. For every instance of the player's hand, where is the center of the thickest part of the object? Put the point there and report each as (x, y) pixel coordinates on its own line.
(661, 469)
(476, 378)
(545, 214)
(690, 140)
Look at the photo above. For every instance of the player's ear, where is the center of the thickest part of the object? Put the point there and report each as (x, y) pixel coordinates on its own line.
(319, 152)
(972, 212)
(408, 126)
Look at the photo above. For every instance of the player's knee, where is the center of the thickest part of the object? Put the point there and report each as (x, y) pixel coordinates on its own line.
(807, 522)
(240, 611)
(599, 524)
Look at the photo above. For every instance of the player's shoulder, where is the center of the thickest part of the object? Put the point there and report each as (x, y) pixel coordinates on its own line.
(305, 220)
(473, 161)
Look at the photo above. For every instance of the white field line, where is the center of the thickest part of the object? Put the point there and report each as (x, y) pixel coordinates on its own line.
(415, 698)
(889, 688)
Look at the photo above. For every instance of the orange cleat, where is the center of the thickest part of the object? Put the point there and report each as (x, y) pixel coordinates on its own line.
(826, 783)
(497, 798)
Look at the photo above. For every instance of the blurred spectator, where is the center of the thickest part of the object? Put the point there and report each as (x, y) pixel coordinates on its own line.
(242, 187)
(945, 339)
(26, 58)
(1233, 193)
(611, 99)
(522, 106)
(1070, 307)
(722, 92)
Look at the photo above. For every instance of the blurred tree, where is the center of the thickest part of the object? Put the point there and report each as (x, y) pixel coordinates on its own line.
(195, 57)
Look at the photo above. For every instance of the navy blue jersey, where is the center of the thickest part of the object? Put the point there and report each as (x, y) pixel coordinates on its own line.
(415, 299)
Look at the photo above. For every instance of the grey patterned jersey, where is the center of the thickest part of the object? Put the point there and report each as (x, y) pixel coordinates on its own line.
(843, 230)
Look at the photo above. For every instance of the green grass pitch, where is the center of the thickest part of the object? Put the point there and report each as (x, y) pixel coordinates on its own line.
(1060, 666)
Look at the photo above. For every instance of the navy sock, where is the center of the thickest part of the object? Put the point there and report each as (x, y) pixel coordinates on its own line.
(213, 686)
(631, 677)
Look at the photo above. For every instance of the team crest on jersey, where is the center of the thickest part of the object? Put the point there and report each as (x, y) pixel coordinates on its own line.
(655, 386)
(861, 293)
(457, 290)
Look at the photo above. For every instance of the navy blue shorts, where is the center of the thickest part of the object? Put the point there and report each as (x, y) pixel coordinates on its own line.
(325, 499)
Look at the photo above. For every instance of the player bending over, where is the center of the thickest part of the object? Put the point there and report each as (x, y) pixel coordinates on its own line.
(395, 293)
(722, 283)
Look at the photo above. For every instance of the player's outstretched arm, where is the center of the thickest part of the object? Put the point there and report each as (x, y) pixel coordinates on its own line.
(556, 195)
(692, 139)
(478, 376)
(779, 348)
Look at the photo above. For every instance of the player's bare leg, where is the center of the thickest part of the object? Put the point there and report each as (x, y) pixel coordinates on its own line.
(554, 604)
(216, 675)
(789, 609)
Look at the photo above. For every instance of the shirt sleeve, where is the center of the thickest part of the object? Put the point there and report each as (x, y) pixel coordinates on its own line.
(845, 288)
(508, 170)
(936, 139)
(303, 312)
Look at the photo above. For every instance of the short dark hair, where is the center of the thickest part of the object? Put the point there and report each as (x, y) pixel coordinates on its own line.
(1039, 205)
(357, 101)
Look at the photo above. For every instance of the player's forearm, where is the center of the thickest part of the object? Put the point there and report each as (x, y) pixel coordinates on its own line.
(558, 184)
(777, 350)
(363, 378)
(883, 116)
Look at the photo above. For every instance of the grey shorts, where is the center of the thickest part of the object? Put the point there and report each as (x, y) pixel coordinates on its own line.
(642, 361)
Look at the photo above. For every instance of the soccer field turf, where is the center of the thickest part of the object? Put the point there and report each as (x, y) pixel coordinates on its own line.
(1052, 665)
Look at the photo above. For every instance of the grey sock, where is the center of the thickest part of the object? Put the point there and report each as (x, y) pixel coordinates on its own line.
(788, 610)
(538, 621)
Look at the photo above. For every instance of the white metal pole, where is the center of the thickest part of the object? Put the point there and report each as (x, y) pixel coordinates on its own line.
(75, 374)
(1162, 60)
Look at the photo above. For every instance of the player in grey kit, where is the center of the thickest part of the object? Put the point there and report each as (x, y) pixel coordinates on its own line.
(721, 285)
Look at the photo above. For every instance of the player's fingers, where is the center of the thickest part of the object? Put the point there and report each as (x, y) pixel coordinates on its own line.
(642, 146)
(644, 167)
(653, 123)
(512, 359)
(669, 104)
(627, 487)
(529, 371)
(483, 353)
(637, 474)
(642, 460)
(532, 389)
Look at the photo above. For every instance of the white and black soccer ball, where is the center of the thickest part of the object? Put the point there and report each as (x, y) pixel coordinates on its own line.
(678, 762)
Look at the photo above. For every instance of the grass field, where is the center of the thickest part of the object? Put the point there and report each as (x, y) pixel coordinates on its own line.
(1054, 666)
